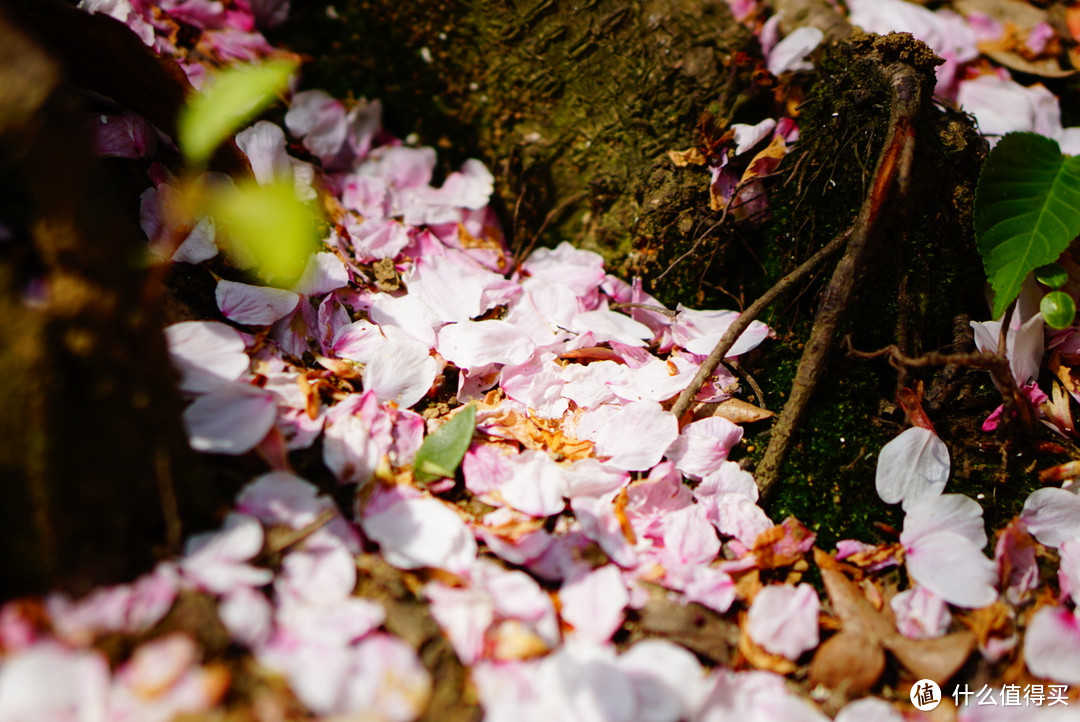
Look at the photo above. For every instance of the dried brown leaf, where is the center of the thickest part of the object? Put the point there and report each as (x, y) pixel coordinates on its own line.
(736, 411)
(848, 662)
(937, 658)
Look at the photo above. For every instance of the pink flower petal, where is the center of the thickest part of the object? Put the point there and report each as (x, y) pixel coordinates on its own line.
(1052, 515)
(232, 419)
(419, 532)
(264, 146)
(206, 353)
(784, 619)
(51, 682)
(920, 614)
(254, 305)
(324, 272)
(216, 561)
(954, 568)
(471, 344)
(535, 485)
(632, 437)
(1052, 645)
(955, 513)
(593, 603)
(913, 466)
(667, 680)
(703, 446)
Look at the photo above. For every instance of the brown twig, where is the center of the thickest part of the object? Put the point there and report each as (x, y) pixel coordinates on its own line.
(893, 169)
(520, 257)
(708, 367)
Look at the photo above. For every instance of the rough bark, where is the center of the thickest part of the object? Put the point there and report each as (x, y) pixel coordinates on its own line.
(95, 472)
(572, 104)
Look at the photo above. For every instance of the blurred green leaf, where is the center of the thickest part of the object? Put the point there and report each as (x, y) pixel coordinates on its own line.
(443, 450)
(1052, 275)
(229, 101)
(270, 225)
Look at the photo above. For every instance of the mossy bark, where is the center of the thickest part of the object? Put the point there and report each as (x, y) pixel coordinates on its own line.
(572, 104)
(95, 470)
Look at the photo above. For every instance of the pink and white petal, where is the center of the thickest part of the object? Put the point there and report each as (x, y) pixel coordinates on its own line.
(582, 271)
(281, 497)
(711, 588)
(535, 485)
(537, 384)
(955, 513)
(248, 615)
(319, 119)
(254, 305)
(316, 577)
(913, 466)
(199, 245)
(1014, 554)
(784, 619)
(739, 517)
(333, 624)
(668, 681)
(698, 331)
(689, 537)
(747, 136)
(264, 146)
(1052, 515)
(633, 436)
(1052, 645)
(1069, 568)
(729, 478)
(869, 709)
(790, 53)
(419, 532)
(206, 353)
(611, 326)
(472, 344)
(596, 515)
(232, 419)
(589, 477)
(216, 561)
(703, 446)
(593, 603)
(387, 681)
(920, 614)
(465, 615)
(954, 568)
(51, 682)
(324, 272)
(403, 371)
(316, 674)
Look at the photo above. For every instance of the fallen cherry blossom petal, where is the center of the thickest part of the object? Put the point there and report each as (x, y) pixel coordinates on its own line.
(232, 419)
(593, 603)
(703, 446)
(1052, 515)
(920, 614)
(632, 437)
(254, 305)
(913, 466)
(784, 619)
(419, 532)
(51, 682)
(206, 353)
(217, 561)
(1052, 645)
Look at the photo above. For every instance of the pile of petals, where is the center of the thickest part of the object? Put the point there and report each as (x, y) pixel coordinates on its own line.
(580, 500)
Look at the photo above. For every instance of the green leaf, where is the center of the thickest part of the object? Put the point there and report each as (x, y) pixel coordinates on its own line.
(1058, 309)
(229, 101)
(1052, 275)
(268, 225)
(443, 450)
(1027, 211)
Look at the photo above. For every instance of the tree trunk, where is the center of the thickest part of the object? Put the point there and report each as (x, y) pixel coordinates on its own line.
(572, 104)
(96, 475)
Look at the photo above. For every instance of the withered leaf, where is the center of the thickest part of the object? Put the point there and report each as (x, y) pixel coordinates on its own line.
(932, 658)
(849, 662)
(736, 411)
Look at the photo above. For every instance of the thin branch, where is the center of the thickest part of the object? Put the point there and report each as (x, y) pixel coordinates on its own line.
(708, 367)
(524, 252)
(892, 171)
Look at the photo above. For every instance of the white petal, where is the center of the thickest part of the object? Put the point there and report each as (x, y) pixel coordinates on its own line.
(790, 52)
(402, 371)
(471, 344)
(254, 305)
(324, 272)
(913, 466)
(1052, 515)
(1052, 645)
(593, 603)
(784, 619)
(954, 568)
(424, 532)
(956, 513)
(634, 436)
(206, 353)
(264, 146)
(231, 419)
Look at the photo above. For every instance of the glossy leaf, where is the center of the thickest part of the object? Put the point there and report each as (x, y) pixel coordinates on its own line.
(1052, 275)
(229, 101)
(1027, 211)
(270, 225)
(1058, 309)
(442, 451)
